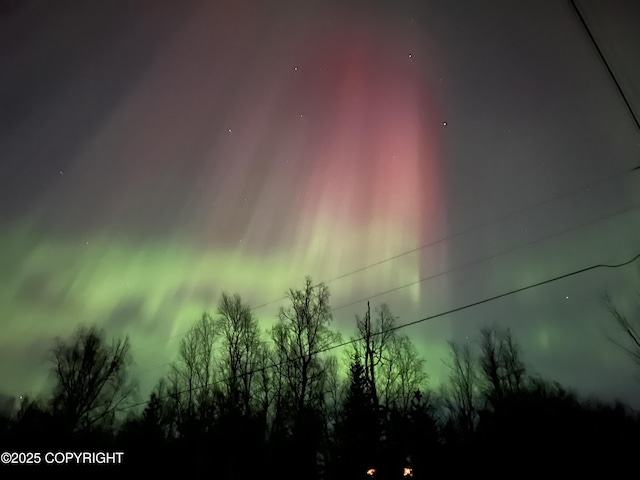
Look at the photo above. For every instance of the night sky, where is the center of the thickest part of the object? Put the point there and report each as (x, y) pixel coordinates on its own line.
(154, 154)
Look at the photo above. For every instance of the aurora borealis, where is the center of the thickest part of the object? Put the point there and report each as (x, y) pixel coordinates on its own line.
(155, 154)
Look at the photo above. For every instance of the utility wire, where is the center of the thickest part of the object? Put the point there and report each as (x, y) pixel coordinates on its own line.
(606, 64)
(491, 257)
(460, 267)
(439, 241)
(399, 327)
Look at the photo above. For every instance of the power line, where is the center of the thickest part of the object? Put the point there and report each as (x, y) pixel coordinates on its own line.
(464, 265)
(439, 241)
(399, 327)
(466, 231)
(491, 257)
(606, 64)
(521, 289)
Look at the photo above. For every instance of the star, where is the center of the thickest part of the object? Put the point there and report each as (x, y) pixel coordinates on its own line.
(444, 123)
(410, 55)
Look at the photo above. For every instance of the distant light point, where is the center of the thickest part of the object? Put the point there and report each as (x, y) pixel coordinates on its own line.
(295, 68)
(444, 124)
(410, 55)
(567, 297)
(229, 130)
(61, 172)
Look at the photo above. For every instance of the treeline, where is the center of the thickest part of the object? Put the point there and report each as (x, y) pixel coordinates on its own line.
(240, 402)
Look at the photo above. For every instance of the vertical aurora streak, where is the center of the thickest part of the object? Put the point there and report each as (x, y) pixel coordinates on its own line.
(239, 159)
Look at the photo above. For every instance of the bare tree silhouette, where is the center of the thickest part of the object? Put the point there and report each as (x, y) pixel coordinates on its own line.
(461, 395)
(92, 379)
(502, 371)
(240, 338)
(191, 382)
(630, 328)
